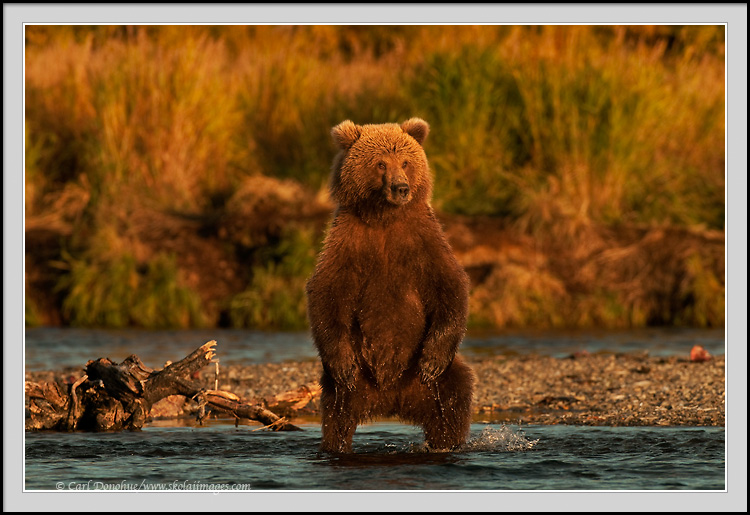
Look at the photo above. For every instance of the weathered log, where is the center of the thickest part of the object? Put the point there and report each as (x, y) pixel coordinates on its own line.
(230, 403)
(112, 396)
(294, 400)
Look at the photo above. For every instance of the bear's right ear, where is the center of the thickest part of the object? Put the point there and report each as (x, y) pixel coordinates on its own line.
(346, 133)
(417, 128)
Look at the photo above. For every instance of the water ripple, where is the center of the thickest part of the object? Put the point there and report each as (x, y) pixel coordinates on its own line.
(388, 456)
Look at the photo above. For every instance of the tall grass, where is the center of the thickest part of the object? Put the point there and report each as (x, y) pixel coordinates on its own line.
(556, 123)
(120, 293)
(616, 124)
(275, 297)
(553, 128)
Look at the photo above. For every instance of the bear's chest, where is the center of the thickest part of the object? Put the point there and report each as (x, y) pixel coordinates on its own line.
(392, 261)
(390, 302)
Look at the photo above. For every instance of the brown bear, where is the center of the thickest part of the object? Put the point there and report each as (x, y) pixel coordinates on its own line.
(388, 301)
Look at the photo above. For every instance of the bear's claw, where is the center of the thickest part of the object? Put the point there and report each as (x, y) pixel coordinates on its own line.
(344, 376)
(431, 369)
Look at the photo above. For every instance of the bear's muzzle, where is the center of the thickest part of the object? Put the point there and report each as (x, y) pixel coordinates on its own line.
(397, 189)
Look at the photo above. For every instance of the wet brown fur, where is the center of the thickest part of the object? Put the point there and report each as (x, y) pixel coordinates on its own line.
(388, 301)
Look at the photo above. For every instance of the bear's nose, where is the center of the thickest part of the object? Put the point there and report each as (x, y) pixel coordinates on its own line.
(400, 189)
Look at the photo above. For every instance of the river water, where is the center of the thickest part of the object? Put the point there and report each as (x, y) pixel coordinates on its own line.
(169, 455)
(387, 456)
(53, 348)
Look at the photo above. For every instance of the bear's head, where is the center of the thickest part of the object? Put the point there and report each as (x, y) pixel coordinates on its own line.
(380, 166)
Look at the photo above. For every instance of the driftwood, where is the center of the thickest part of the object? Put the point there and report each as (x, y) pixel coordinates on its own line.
(294, 400)
(112, 396)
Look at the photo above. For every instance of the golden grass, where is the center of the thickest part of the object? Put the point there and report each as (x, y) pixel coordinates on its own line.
(561, 130)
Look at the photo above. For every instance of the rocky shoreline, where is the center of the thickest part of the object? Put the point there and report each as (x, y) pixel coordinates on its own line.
(605, 389)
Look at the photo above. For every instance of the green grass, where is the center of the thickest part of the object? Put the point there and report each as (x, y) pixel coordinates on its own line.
(120, 293)
(702, 296)
(32, 316)
(275, 297)
(479, 134)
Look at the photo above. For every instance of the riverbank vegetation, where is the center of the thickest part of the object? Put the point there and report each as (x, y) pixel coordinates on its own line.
(175, 176)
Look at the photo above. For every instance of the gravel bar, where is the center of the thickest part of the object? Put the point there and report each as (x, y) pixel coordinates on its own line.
(631, 389)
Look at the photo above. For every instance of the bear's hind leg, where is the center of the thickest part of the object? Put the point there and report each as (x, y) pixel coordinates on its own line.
(339, 420)
(337, 433)
(444, 407)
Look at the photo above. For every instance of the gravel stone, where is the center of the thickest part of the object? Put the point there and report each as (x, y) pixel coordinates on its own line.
(592, 390)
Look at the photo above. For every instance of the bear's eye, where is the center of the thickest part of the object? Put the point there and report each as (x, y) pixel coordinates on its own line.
(381, 165)
(405, 163)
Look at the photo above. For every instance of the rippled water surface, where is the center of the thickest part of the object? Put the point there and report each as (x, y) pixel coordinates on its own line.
(52, 348)
(387, 456)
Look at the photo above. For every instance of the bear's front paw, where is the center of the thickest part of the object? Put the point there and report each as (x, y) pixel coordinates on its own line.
(431, 368)
(344, 374)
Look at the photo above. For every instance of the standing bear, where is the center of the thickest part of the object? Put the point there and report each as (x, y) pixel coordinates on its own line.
(388, 301)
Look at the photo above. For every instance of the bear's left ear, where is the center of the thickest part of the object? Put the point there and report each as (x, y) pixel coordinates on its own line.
(417, 128)
(346, 134)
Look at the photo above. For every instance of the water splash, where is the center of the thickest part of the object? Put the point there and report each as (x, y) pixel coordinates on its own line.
(503, 439)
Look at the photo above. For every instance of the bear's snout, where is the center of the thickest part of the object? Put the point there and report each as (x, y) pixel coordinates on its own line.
(397, 189)
(400, 190)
